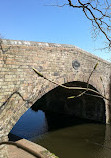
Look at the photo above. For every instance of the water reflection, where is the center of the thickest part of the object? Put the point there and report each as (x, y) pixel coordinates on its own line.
(106, 152)
(31, 124)
(65, 136)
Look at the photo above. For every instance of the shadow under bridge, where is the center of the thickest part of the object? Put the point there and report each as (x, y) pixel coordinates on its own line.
(86, 106)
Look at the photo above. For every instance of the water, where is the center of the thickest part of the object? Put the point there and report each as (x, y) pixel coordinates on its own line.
(65, 136)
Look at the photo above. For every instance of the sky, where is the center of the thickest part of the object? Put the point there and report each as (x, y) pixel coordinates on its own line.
(39, 20)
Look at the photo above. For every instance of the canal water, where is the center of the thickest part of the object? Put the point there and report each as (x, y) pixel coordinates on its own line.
(65, 136)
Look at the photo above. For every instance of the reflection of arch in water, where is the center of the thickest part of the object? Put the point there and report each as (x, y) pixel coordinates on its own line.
(85, 106)
(106, 144)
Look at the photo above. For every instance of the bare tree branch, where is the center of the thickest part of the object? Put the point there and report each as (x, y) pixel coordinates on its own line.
(4, 50)
(8, 99)
(89, 11)
(84, 92)
(97, 11)
(72, 88)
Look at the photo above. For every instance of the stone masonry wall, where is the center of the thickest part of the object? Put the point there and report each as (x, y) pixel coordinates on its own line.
(54, 61)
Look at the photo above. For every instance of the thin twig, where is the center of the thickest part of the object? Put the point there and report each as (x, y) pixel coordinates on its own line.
(8, 99)
(87, 84)
(73, 88)
(99, 20)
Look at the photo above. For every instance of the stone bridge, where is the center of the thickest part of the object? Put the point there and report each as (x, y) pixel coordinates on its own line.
(21, 87)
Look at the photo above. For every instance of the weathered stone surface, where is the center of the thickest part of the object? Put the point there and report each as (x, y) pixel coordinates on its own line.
(18, 80)
(15, 152)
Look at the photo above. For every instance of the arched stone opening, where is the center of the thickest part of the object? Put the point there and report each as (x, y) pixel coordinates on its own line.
(56, 104)
(86, 106)
(17, 107)
(55, 100)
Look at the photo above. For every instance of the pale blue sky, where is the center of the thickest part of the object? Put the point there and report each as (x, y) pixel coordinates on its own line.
(32, 20)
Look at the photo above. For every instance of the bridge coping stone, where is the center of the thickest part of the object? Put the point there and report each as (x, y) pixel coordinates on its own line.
(13, 151)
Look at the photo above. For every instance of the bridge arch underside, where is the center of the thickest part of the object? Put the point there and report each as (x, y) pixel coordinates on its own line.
(86, 106)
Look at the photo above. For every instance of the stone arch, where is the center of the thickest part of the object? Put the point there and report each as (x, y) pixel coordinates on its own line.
(16, 113)
(55, 61)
